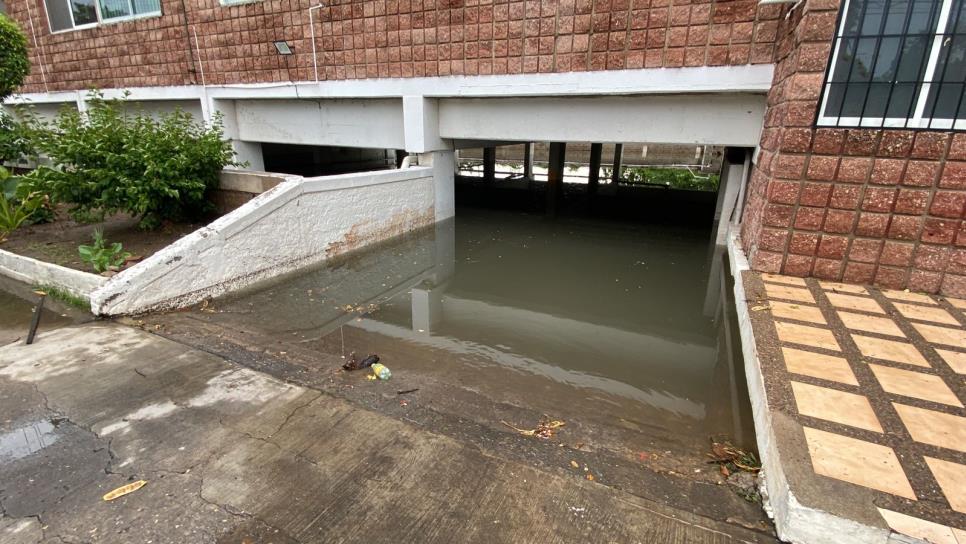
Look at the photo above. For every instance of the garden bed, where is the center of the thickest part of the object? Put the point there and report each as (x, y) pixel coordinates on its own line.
(56, 242)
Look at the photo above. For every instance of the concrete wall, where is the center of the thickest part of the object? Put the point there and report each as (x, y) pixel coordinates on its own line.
(297, 223)
(36, 272)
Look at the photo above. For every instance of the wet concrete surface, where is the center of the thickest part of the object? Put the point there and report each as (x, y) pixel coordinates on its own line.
(502, 319)
(234, 455)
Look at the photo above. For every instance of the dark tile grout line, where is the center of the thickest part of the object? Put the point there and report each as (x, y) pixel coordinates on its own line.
(918, 475)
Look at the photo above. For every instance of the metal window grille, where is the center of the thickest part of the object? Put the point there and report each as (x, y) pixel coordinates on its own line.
(897, 64)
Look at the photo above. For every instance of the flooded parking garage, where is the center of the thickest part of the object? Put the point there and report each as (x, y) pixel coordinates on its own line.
(621, 330)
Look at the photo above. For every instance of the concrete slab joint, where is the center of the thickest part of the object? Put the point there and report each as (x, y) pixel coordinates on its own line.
(299, 222)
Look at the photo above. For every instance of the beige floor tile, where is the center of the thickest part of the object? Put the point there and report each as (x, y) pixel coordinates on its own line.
(952, 478)
(858, 462)
(805, 335)
(849, 302)
(868, 323)
(835, 406)
(942, 335)
(925, 313)
(843, 287)
(911, 297)
(960, 535)
(800, 312)
(932, 427)
(890, 350)
(817, 365)
(957, 302)
(956, 360)
(799, 294)
(788, 280)
(915, 384)
(918, 528)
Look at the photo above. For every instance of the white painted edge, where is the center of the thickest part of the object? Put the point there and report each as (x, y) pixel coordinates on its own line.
(794, 521)
(36, 272)
(752, 78)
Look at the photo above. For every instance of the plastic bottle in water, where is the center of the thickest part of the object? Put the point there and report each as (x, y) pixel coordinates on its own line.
(381, 371)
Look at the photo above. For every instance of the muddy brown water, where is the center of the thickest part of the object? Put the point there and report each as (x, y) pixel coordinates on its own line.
(626, 332)
(16, 313)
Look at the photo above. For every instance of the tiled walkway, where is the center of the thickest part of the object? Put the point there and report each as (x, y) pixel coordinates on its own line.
(874, 380)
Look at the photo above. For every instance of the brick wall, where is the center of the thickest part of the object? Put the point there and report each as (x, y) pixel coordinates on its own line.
(399, 38)
(867, 206)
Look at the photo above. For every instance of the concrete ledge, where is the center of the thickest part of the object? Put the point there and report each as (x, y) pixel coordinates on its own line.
(36, 272)
(297, 223)
(247, 181)
(794, 521)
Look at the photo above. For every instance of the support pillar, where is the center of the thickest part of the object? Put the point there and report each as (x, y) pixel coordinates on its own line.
(444, 175)
(593, 178)
(245, 152)
(555, 176)
(618, 158)
(528, 160)
(489, 164)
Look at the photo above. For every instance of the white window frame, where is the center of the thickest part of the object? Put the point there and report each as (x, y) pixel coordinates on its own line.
(917, 120)
(100, 19)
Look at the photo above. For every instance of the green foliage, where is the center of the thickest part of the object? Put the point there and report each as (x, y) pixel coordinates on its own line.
(12, 216)
(675, 178)
(14, 65)
(17, 194)
(18, 135)
(65, 296)
(102, 256)
(109, 160)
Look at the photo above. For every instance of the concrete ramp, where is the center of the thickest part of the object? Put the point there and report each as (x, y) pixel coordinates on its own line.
(299, 222)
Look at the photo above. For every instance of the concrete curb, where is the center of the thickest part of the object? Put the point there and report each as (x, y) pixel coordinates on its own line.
(794, 521)
(36, 272)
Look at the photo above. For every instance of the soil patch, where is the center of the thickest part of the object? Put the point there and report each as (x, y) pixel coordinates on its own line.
(57, 242)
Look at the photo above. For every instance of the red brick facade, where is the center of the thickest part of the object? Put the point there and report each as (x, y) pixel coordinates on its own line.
(398, 38)
(884, 207)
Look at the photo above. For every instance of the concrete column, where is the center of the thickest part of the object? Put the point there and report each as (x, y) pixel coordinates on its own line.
(245, 152)
(558, 151)
(735, 171)
(444, 174)
(528, 160)
(593, 178)
(421, 125)
(489, 164)
(618, 158)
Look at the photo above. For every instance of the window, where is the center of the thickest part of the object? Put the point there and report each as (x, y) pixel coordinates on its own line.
(74, 14)
(898, 63)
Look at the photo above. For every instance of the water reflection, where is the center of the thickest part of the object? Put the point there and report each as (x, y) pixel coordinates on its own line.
(28, 439)
(607, 321)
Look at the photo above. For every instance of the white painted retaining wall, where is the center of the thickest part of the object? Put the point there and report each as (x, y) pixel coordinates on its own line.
(36, 272)
(297, 223)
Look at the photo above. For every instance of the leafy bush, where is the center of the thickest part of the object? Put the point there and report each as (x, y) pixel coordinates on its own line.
(675, 178)
(108, 160)
(102, 256)
(17, 136)
(18, 208)
(14, 65)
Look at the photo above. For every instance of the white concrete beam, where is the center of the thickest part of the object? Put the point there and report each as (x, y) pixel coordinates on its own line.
(727, 119)
(371, 123)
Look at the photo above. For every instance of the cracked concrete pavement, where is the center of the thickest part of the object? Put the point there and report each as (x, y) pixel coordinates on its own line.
(233, 455)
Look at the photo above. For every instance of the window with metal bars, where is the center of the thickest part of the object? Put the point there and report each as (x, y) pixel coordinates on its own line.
(897, 64)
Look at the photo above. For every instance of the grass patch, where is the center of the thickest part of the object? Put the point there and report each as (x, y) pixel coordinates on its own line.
(65, 296)
(675, 178)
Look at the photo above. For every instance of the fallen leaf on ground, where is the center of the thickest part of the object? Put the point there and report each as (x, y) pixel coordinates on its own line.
(590, 477)
(759, 308)
(124, 490)
(574, 464)
(546, 429)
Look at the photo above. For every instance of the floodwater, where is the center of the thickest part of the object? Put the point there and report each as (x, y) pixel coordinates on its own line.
(15, 315)
(623, 330)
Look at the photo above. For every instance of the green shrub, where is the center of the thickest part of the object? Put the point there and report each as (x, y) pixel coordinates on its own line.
(17, 136)
(18, 208)
(102, 256)
(14, 65)
(675, 178)
(108, 160)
